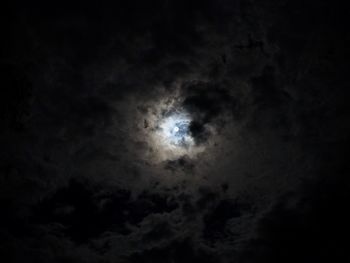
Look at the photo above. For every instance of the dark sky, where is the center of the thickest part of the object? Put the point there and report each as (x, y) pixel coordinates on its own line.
(86, 174)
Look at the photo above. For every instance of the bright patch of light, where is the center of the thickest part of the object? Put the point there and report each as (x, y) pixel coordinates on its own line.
(175, 130)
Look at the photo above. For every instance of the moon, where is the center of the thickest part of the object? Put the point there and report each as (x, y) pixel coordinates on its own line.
(166, 128)
(175, 130)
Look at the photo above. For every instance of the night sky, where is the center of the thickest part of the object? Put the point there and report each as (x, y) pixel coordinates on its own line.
(174, 131)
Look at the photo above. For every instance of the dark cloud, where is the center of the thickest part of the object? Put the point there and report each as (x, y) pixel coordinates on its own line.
(85, 213)
(16, 96)
(81, 214)
(215, 221)
(206, 101)
(183, 163)
(178, 251)
(311, 228)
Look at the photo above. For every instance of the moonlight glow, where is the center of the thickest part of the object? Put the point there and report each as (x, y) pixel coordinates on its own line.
(166, 128)
(175, 130)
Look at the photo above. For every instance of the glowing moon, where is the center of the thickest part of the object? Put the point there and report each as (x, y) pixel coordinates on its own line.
(175, 130)
(166, 129)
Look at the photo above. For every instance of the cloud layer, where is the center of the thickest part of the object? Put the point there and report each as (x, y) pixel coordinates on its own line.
(84, 177)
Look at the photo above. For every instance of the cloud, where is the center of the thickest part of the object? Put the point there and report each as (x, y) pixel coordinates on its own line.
(184, 163)
(215, 221)
(302, 228)
(178, 251)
